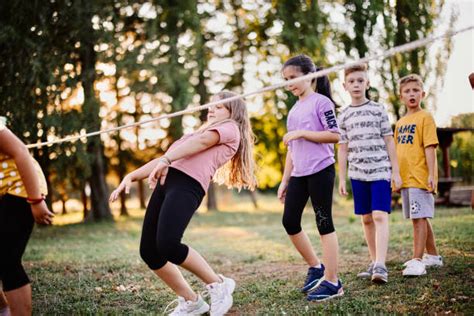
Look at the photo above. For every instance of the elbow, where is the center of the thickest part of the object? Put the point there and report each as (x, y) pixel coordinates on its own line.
(205, 142)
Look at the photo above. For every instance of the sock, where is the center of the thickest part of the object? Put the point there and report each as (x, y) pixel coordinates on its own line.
(317, 267)
(335, 284)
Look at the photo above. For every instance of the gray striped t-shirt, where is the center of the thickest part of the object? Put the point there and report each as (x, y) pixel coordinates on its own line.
(363, 128)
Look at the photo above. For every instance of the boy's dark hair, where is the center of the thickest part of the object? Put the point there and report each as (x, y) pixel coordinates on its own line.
(409, 78)
(306, 66)
(358, 67)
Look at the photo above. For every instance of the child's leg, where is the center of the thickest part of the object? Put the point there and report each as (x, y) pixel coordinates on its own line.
(420, 233)
(320, 186)
(381, 235)
(196, 264)
(362, 195)
(16, 225)
(369, 233)
(330, 256)
(171, 275)
(20, 300)
(303, 245)
(430, 240)
(295, 201)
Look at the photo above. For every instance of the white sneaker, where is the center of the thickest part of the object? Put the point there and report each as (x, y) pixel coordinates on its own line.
(186, 308)
(414, 267)
(432, 261)
(221, 295)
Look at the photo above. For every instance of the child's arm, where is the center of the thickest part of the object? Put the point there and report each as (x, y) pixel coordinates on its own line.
(286, 177)
(342, 162)
(430, 153)
(158, 168)
(14, 148)
(392, 154)
(312, 136)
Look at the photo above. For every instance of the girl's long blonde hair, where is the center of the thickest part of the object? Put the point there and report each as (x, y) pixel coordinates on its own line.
(239, 172)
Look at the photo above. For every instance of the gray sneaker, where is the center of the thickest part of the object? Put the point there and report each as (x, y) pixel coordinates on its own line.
(367, 274)
(380, 274)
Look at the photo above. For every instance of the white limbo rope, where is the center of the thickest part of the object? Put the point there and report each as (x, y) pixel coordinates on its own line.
(391, 52)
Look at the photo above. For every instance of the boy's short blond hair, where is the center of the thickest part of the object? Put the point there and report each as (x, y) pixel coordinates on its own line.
(358, 67)
(409, 78)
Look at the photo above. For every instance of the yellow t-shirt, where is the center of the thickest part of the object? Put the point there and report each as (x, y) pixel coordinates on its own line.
(413, 133)
(10, 180)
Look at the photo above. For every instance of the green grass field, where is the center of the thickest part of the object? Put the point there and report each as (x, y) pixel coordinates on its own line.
(96, 268)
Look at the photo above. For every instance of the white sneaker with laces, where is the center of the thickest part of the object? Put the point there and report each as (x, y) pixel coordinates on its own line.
(414, 267)
(221, 295)
(432, 261)
(186, 308)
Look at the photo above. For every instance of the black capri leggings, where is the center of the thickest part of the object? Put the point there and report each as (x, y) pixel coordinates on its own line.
(319, 187)
(169, 212)
(16, 225)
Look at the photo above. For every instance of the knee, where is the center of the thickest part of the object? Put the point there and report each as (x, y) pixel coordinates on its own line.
(379, 217)
(419, 222)
(367, 220)
(291, 226)
(150, 255)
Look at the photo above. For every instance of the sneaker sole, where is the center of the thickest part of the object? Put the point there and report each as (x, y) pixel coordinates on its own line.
(328, 298)
(204, 309)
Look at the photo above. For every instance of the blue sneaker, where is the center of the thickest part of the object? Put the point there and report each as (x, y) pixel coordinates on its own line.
(325, 291)
(314, 275)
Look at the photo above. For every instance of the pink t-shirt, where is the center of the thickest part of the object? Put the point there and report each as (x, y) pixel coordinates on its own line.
(203, 165)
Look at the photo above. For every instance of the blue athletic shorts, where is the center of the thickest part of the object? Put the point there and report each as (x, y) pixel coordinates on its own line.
(371, 196)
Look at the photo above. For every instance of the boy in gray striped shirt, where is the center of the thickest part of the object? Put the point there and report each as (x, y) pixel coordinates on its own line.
(367, 143)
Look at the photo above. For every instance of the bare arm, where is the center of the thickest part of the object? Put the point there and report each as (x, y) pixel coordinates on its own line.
(286, 178)
(321, 137)
(392, 154)
(312, 136)
(193, 145)
(342, 162)
(430, 153)
(288, 168)
(157, 169)
(14, 148)
(187, 148)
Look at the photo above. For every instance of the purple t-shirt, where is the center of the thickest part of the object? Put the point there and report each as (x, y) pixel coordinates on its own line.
(314, 113)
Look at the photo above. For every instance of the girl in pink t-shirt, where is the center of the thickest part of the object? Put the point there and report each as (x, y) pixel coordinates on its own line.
(222, 148)
(309, 173)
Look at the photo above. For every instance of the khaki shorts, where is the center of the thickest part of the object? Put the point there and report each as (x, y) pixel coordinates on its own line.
(417, 203)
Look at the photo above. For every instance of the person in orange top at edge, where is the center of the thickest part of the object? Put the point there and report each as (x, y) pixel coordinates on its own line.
(22, 194)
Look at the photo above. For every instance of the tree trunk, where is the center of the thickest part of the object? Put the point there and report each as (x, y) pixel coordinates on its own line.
(141, 194)
(99, 192)
(85, 210)
(63, 202)
(211, 198)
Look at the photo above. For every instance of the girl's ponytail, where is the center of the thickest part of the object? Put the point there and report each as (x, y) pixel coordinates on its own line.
(323, 86)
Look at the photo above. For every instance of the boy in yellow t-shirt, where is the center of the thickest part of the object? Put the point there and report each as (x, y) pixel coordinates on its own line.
(416, 142)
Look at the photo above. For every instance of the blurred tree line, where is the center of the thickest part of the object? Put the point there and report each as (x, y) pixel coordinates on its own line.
(74, 66)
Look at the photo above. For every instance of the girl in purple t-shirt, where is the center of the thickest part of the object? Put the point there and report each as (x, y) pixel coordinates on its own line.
(309, 173)
(180, 179)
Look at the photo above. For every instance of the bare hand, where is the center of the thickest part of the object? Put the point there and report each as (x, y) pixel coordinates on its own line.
(282, 189)
(396, 181)
(342, 187)
(124, 185)
(41, 213)
(159, 173)
(292, 136)
(431, 184)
